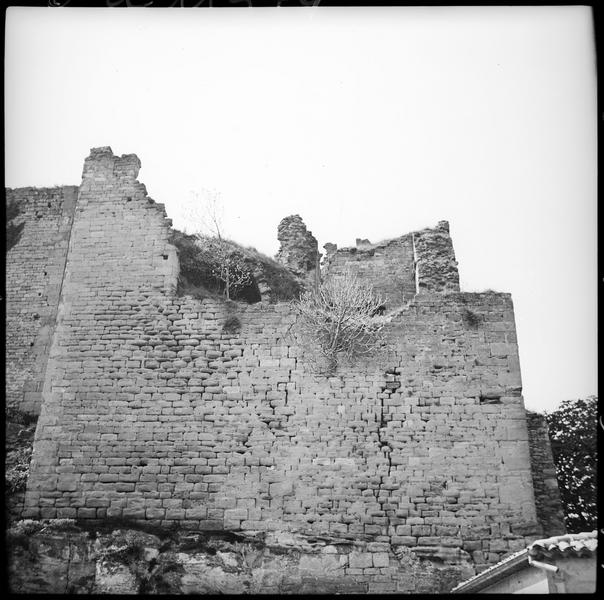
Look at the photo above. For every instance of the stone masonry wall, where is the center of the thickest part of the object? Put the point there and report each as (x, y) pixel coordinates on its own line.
(389, 267)
(422, 261)
(298, 247)
(435, 260)
(547, 495)
(119, 261)
(156, 412)
(34, 271)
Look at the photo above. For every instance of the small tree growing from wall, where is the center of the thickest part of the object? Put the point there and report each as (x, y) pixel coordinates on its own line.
(226, 265)
(339, 319)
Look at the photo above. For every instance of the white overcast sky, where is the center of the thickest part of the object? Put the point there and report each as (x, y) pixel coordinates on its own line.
(368, 122)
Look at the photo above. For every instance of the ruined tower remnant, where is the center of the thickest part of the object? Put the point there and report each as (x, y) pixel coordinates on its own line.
(435, 260)
(407, 472)
(299, 248)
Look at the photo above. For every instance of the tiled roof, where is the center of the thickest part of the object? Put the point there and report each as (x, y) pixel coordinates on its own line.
(504, 566)
(574, 545)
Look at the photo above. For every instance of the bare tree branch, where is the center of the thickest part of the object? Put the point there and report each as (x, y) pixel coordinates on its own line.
(338, 319)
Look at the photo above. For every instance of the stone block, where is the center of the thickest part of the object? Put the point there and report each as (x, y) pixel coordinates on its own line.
(67, 483)
(133, 513)
(48, 512)
(421, 530)
(155, 513)
(404, 540)
(381, 559)
(360, 560)
(199, 512)
(210, 525)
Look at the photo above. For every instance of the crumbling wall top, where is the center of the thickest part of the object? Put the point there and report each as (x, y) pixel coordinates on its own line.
(103, 163)
(418, 262)
(299, 247)
(435, 263)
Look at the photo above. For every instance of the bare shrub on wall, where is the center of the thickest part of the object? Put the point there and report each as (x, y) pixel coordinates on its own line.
(339, 320)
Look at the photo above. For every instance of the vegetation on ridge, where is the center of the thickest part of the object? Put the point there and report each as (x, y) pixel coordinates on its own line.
(202, 270)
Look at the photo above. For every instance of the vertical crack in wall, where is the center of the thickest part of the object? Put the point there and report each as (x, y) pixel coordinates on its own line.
(392, 383)
(384, 446)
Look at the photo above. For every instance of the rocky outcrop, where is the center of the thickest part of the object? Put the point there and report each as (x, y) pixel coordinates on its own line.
(67, 558)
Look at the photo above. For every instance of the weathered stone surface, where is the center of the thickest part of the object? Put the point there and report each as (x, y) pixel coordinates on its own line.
(387, 266)
(69, 559)
(418, 262)
(435, 260)
(34, 270)
(299, 248)
(547, 495)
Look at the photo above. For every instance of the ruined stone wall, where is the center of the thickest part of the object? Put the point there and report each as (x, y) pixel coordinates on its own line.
(436, 267)
(34, 271)
(388, 267)
(397, 269)
(547, 495)
(203, 415)
(298, 249)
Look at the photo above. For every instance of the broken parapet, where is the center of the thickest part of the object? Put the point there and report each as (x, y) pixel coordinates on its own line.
(435, 264)
(418, 262)
(299, 250)
(102, 163)
(388, 267)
